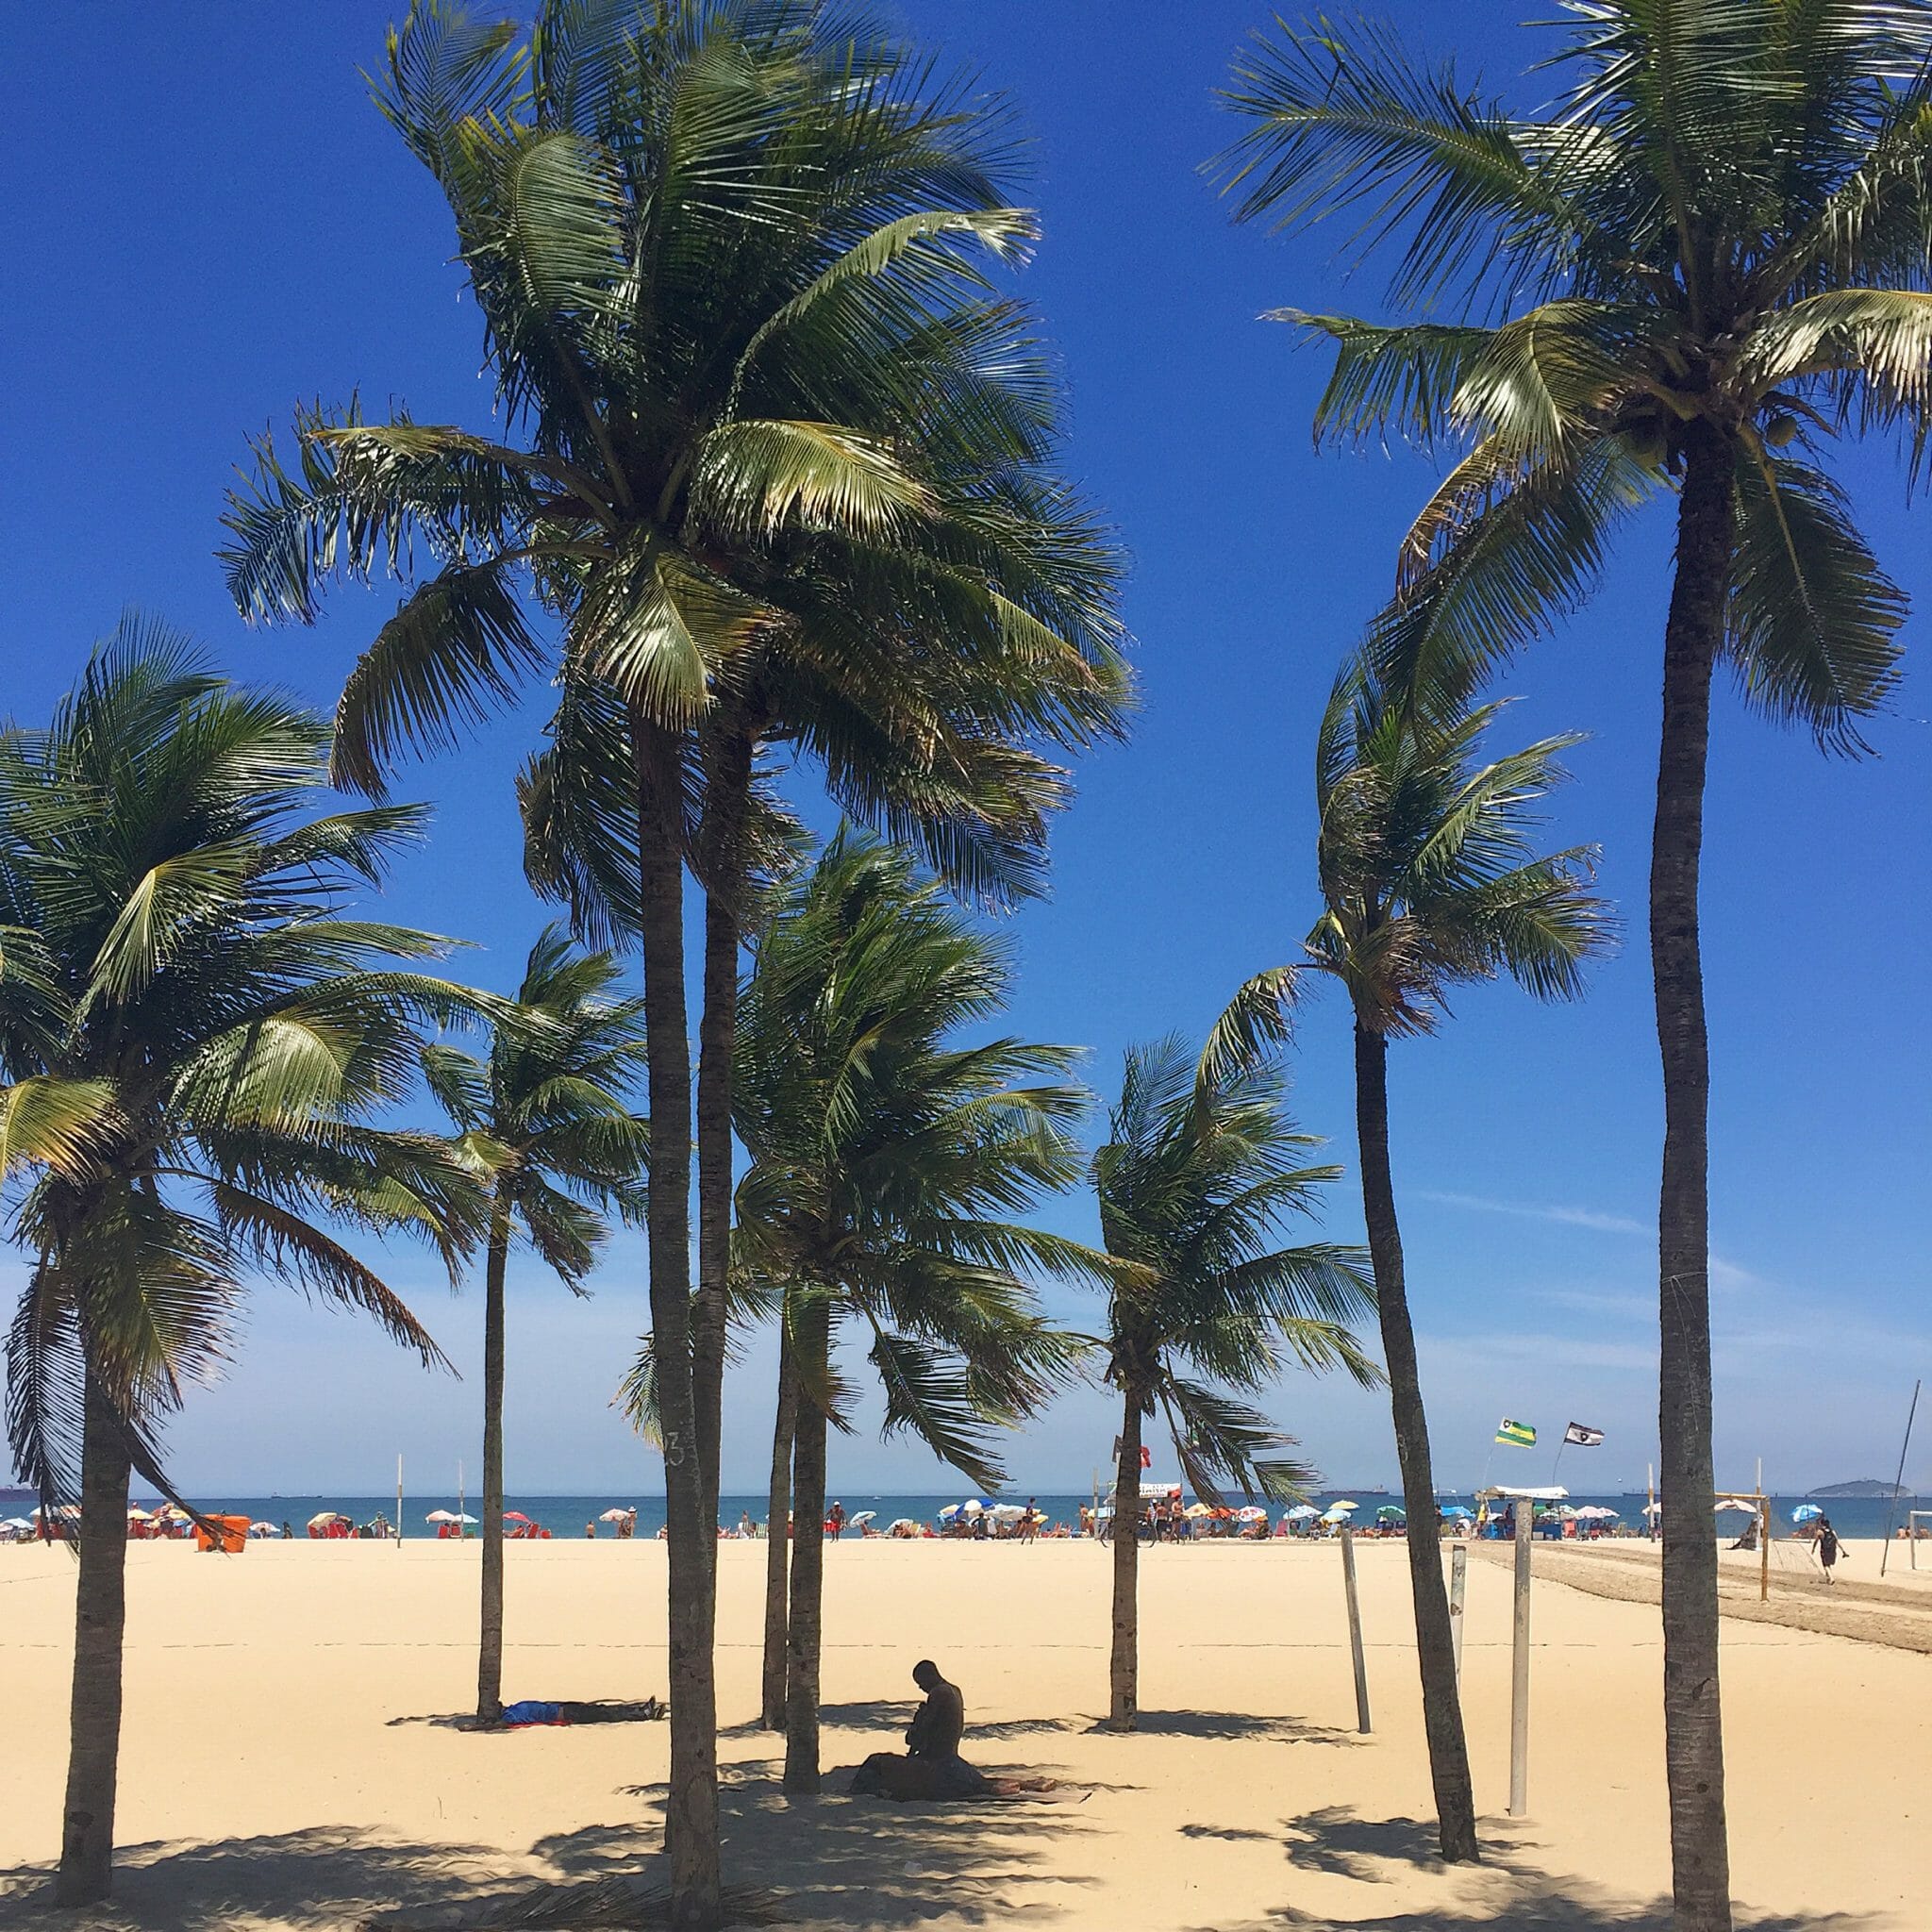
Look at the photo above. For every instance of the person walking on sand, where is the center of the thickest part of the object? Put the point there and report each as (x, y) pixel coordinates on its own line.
(1828, 1545)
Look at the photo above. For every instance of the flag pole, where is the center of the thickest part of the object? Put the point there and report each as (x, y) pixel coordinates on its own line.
(1899, 1481)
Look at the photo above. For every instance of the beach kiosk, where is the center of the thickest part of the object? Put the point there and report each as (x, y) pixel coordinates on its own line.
(1523, 1502)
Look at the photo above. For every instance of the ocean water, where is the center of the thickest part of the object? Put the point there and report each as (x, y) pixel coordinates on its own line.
(565, 1516)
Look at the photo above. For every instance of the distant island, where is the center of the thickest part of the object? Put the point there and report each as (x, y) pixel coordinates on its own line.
(1884, 1491)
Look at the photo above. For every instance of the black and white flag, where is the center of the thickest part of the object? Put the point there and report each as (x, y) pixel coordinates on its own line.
(1583, 1436)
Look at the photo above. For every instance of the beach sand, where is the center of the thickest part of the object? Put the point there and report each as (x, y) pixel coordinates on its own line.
(278, 1767)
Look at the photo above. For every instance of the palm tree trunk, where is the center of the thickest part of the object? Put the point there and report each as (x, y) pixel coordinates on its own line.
(727, 791)
(1434, 1645)
(490, 1647)
(777, 1539)
(1693, 1740)
(807, 1599)
(1124, 1665)
(690, 1818)
(87, 1815)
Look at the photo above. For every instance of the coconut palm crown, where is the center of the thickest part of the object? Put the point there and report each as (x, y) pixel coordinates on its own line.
(1715, 244)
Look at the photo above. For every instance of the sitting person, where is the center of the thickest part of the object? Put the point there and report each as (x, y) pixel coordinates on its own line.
(930, 1766)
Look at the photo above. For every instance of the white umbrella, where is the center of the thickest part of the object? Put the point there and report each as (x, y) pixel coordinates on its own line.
(951, 1510)
(613, 1516)
(262, 1529)
(1595, 1513)
(1302, 1512)
(331, 1516)
(1337, 1513)
(434, 1516)
(1005, 1512)
(1250, 1514)
(862, 1516)
(973, 1507)
(902, 1523)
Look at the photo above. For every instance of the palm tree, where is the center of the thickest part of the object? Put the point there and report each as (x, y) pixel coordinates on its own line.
(177, 979)
(886, 1164)
(1711, 260)
(1200, 1165)
(781, 475)
(1429, 880)
(546, 1118)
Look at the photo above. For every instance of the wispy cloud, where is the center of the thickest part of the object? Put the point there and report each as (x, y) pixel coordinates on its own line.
(1724, 1273)
(1469, 1357)
(1626, 1308)
(1567, 1217)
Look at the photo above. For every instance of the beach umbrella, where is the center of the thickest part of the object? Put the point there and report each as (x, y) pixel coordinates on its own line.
(862, 1516)
(1653, 1508)
(613, 1516)
(460, 1518)
(1338, 1514)
(1595, 1513)
(434, 1516)
(511, 1516)
(1457, 1510)
(902, 1523)
(1198, 1511)
(1005, 1512)
(1345, 1507)
(1392, 1512)
(947, 1514)
(1806, 1512)
(336, 1516)
(1250, 1514)
(1728, 1505)
(262, 1529)
(974, 1507)
(135, 1513)
(1302, 1512)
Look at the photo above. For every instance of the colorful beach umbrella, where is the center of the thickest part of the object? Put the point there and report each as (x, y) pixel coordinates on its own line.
(514, 1516)
(1250, 1514)
(1302, 1512)
(1392, 1512)
(1806, 1512)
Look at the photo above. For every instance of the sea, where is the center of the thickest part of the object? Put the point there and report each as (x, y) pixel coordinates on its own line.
(567, 1516)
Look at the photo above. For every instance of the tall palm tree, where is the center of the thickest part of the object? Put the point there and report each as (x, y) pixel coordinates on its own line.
(1429, 880)
(177, 971)
(888, 1163)
(1200, 1166)
(546, 1118)
(780, 474)
(1711, 256)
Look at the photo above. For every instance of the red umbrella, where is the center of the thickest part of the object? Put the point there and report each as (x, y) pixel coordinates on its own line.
(514, 1516)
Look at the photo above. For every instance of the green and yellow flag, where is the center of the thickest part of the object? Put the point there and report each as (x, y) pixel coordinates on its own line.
(1522, 1434)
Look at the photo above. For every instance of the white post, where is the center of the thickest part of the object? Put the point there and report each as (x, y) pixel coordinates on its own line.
(399, 1500)
(1458, 1572)
(1519, 1671)
(1355, 1632)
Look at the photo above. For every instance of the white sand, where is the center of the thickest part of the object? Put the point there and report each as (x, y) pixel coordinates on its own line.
(264, 1782)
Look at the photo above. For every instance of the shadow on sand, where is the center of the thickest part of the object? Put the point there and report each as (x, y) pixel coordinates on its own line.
(830, 1860)
(1504, 1892)
(331, 1874)
(889, 1714)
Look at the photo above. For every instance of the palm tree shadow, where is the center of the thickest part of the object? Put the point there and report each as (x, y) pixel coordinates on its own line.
(834, 1860)
(894, 1714)
(1505, 1891)
(334, 1874)
(1229, 1724)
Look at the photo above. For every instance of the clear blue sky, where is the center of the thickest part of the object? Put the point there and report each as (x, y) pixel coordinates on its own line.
(208, 221)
